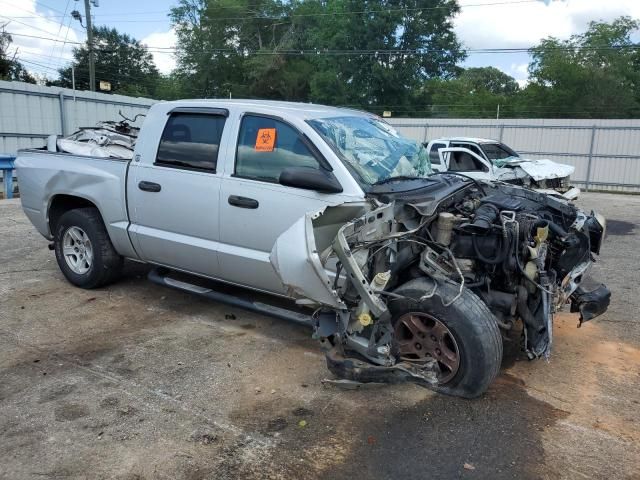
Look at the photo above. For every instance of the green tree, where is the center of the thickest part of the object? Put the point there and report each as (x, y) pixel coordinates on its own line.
(212, 38)
(171, 87)
(490, 80)
(10, 67)
(388, 49)
(592, 75)
(119, 59)
(330, 51)
(475, 93)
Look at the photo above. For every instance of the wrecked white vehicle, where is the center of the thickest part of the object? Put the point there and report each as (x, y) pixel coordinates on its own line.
(106, 139)
(485, 159)
(404, 274)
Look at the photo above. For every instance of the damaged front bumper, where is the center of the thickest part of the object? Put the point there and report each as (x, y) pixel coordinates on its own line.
(590, 301)
(355, 370)
(323, 260)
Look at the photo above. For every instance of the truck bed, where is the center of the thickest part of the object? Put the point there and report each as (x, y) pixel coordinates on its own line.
(45, 177)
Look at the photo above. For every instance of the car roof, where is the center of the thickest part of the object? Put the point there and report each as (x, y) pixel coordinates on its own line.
(289, 109)
(465, 139)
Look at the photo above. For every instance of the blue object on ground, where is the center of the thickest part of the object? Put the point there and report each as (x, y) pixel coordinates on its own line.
(6, 165)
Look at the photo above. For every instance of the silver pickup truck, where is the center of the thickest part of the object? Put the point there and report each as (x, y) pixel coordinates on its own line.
(405, 274)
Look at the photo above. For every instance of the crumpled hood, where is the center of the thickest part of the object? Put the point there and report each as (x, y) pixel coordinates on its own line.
(541, 169)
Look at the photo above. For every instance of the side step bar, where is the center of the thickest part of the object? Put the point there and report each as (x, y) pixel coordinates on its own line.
(161, 276)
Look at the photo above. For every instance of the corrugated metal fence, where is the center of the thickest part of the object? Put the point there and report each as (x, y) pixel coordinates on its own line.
(30, 113)
(606, 153)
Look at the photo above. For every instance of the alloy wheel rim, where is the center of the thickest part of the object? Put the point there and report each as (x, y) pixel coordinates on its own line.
(422, 337)
(77, 250)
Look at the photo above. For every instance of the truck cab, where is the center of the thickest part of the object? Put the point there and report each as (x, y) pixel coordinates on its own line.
(205, 186)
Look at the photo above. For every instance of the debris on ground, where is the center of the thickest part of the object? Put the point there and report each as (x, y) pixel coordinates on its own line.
(203, 438)
(346, 384)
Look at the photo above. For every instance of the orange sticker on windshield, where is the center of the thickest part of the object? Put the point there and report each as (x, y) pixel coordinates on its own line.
(266, 140)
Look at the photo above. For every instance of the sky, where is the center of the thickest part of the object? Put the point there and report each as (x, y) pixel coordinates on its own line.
(480, 24)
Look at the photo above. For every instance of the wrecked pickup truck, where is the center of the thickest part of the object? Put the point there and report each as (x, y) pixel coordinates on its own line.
(405, 274)
(485, 159)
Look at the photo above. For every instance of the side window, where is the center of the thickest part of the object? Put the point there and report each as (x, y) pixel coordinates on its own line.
(434, 155)
(465, 162)
(469, 146)
(191, 140)
(267, 146)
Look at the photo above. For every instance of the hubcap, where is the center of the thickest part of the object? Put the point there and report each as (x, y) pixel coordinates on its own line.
(77, 250)
(422, 337)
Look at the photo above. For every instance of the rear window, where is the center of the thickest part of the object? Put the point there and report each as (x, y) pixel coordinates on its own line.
(191, 141)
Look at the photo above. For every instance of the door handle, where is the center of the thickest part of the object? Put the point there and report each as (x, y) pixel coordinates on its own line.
(149, 186)
(242, 202)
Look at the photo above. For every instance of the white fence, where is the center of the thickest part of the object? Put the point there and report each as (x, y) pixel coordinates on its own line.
(30, 113)
(606, 153)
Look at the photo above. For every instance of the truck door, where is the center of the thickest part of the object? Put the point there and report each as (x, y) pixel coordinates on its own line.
(174, 197)
(254, 208)
(463, 160)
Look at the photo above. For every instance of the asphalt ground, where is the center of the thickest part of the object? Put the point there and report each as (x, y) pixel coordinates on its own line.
(135, 381)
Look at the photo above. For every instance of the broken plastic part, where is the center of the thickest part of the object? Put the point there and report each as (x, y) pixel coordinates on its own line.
(590, 302)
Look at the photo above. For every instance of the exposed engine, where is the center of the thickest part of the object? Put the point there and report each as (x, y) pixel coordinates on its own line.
(524, 253)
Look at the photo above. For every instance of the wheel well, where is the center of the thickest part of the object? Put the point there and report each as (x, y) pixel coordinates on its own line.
(62, 204)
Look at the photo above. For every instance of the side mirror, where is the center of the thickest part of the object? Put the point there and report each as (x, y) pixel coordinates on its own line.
(310, 179)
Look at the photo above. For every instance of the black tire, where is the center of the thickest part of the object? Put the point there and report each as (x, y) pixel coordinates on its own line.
(106, 264)
(472, 325)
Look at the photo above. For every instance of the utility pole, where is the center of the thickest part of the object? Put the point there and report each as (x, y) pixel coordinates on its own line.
(92, 60)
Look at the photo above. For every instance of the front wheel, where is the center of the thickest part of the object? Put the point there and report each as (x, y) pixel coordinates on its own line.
(84, 250)
(463, 338)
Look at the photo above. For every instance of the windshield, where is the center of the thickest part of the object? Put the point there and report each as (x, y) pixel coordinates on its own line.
(373, 149)
(498, 153)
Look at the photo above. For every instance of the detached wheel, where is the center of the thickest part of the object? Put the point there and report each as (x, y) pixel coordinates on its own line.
(462, 338)
(83, 249)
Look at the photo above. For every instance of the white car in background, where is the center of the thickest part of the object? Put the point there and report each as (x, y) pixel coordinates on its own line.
(485, 159)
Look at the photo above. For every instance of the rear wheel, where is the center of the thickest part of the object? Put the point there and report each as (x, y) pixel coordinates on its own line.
(84, 251)
(463, 338)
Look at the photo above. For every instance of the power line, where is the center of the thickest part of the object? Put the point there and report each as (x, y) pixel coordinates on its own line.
(37, 17)
(467, 109)
(315, 14)
(293, 15)
(37, 2)
(83, 74)
(60, 29)
(357, 52)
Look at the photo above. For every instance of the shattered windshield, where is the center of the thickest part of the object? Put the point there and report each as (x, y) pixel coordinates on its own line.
(498, 153)
(373, 149)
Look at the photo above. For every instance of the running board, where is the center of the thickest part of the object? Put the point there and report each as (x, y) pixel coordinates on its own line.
(161, 276)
